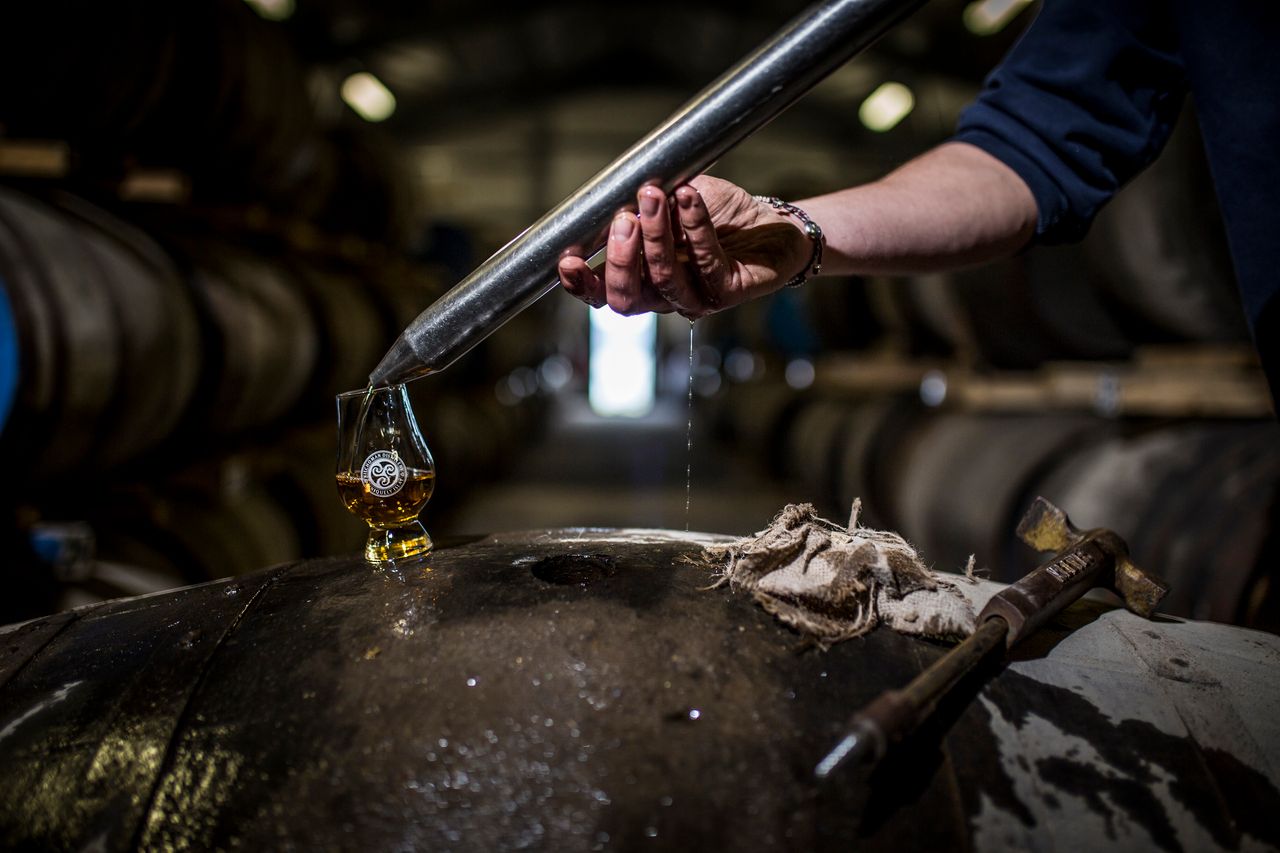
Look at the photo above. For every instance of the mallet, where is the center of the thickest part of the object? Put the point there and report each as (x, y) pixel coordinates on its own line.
(1084, 560)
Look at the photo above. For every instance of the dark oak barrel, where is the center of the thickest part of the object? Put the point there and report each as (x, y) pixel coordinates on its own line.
(583, 690)
(299, 475)
(159, 331)
(197, 531)
(355, 328)
(69, 337)
(1195, 500)
(108, 338)
(812, 449)
(757, 415)
(265, 340)
(961, 480)
(867, 466)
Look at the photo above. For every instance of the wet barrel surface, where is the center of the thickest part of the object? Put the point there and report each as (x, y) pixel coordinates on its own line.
(579, 690)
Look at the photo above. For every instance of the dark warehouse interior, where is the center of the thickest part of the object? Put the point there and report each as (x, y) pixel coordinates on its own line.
(217, 215)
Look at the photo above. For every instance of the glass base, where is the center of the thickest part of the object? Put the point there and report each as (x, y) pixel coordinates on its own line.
(394, 543)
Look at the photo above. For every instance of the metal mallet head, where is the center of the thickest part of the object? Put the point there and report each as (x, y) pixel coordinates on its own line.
(1082, 560)
(1045, 527)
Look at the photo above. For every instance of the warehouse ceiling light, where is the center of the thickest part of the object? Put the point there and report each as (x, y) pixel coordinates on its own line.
(886, 106)
(273, 10)
(367, 95)
(987, 17)
(418, 66)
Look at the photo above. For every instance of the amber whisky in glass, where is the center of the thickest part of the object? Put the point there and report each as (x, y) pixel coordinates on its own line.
(385, 474)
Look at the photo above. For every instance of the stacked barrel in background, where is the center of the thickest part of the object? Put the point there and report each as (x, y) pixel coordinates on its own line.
(170, 366)
(1103, 377)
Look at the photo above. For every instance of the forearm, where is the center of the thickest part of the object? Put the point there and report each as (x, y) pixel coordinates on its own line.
(954, 206)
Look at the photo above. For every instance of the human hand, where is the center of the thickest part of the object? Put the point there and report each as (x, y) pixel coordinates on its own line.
(719, 247)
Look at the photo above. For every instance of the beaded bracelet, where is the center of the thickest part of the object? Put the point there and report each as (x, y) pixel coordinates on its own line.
(811, 230)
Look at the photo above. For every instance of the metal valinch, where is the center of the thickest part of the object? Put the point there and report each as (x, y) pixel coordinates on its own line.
(730, 109)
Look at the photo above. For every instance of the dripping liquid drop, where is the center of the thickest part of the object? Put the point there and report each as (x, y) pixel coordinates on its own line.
(688, 438)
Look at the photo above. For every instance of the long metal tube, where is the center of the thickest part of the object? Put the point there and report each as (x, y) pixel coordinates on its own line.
(730, 109)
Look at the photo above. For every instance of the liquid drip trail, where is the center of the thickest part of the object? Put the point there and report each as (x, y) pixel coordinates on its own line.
(360, 419)
(688, 438)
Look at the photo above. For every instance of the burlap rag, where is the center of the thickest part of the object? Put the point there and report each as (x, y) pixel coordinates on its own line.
(832, 583)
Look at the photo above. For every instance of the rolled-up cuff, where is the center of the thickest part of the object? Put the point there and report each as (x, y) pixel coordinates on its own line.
(1054, 222)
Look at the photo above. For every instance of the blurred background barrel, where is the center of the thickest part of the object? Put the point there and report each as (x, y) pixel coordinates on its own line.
(265, 339)
(961, 482)
(199, 527)
(1196, 502)
(108, 335)
(1196, 499)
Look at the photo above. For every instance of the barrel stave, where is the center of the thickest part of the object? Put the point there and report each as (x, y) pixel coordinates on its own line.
(98, 732)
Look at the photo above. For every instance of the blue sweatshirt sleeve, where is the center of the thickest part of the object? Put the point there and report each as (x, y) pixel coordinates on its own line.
(1082, 103)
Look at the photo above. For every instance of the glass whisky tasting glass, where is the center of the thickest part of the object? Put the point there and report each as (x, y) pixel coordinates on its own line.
(385, 472)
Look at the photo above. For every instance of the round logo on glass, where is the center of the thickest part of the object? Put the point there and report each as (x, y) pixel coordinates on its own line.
(385, 473)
